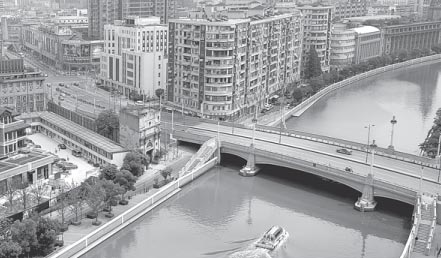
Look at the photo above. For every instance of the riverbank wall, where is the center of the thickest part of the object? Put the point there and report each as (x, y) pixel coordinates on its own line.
(88, 242)
(302, 107)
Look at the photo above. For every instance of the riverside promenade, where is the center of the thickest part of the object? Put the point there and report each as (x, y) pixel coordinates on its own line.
(274, 117)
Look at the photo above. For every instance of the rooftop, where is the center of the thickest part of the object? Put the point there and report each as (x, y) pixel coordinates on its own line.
(365, 29)
(83, 133)
(20, 160)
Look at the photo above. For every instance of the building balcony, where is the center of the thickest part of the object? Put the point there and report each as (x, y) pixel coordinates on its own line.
(342, 51)
(219, 84)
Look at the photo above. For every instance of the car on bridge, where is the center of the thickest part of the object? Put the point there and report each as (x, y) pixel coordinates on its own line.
(344, 151)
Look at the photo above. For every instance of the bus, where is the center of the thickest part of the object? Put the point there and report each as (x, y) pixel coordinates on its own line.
(76, 153)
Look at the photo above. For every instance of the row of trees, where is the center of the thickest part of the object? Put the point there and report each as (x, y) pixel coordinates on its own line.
(32, 237)
(318, 80)
(430, 144)
(105, 191)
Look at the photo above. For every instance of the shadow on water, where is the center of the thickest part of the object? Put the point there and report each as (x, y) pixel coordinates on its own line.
(325, 188)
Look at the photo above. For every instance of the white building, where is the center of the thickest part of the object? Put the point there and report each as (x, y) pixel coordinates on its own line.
(135, 56)
(342, 46)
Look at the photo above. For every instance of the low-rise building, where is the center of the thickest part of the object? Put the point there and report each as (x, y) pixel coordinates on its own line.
(27, 167)
(411, 35)
(368, 43)
(21, 88)
(60, 46)
(135, 56)
(349, 8)
(92, 145)
(140, 129)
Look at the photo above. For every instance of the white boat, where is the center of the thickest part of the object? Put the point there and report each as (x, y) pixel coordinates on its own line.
(274, 238)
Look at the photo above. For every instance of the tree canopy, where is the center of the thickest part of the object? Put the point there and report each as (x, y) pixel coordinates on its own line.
(135, 162)
(107, 124)
(313, 67)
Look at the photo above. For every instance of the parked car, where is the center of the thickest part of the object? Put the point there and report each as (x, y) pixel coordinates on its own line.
(76, 84)
(61, 84)
(24, 150)
(348, 169)
(344, 151)
(37, 146)
(66, 165)
(62, 146)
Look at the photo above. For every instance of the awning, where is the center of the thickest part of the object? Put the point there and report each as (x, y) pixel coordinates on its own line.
(274, 97)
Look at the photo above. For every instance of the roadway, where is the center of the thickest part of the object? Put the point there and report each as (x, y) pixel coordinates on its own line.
(387, 169)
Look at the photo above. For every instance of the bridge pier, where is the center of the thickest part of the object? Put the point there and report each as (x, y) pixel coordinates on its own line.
(250, 168)
(366, 202)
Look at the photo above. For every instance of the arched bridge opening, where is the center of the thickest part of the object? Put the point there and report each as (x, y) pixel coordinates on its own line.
(309, 182)
(230, 160)
(395, 207)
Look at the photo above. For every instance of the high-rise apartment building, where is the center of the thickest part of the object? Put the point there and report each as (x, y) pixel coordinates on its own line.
(220, 67)
(102, 12)
(146, 8)
(135, 56)
(317, 23)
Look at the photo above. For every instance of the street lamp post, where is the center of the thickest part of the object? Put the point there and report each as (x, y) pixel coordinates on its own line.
(438, 157)
(372, 147)
(421, 180)
(393, 122)
(368, 140)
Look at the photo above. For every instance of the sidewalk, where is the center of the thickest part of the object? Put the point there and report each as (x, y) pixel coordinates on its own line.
(144, 190)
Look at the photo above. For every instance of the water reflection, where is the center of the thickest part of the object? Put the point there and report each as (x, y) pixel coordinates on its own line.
(412, 95)
(222, 212)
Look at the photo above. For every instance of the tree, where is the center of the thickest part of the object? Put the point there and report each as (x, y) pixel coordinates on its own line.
(126, 180)
(11, 191)
(62, 203)
(75, 199)
(9, 248)
(107, 123)
(24, 234)
(159, 93)
(112, 190)
(313, 67)
(297, 94)
(46, 232)
(108, 172)
(402, 55)
(135, 162)
(37, 191)
(317, 83)
(95, 195)
(166, 172)
(23, 193)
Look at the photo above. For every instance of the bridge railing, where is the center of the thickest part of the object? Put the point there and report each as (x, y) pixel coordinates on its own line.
(413, 232)
(355, 176)
(432, 229)
(131, 214)
(349, 145)
(424, 161)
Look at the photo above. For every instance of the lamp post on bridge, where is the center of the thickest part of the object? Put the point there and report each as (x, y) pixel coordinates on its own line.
(372, 147)
(368, 140)
(393, 122)
(250, 168)
(438, 157)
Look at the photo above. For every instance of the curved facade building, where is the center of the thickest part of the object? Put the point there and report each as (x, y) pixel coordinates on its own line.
(342, 46)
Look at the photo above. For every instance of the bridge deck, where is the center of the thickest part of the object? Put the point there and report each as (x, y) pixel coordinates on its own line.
(387, 169)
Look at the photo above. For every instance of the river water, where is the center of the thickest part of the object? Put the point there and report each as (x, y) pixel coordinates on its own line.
(413, 95)
(222, 212)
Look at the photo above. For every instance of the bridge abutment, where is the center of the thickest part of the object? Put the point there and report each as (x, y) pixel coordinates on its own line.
(367, 202)
(250, 168)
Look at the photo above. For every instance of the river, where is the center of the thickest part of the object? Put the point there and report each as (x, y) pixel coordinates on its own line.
(413, 95)
(222, 212)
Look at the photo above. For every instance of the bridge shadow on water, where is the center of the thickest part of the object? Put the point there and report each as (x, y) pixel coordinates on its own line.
(318, 185)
